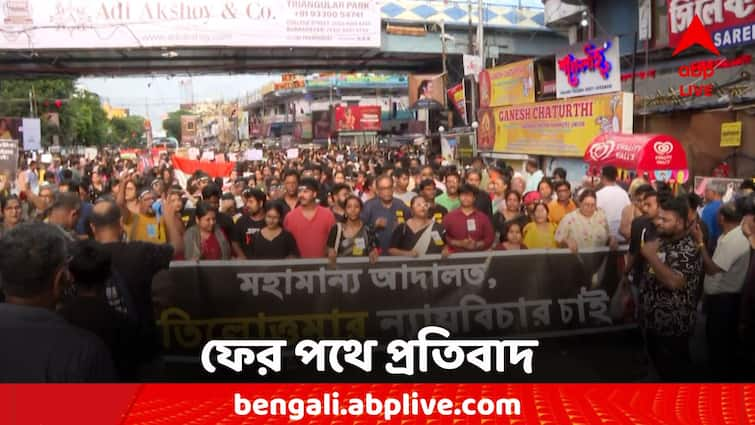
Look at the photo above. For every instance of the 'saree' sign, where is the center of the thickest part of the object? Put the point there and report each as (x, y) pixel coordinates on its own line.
(729, 22)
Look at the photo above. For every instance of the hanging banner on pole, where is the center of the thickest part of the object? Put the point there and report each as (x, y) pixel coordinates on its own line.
(459, 100)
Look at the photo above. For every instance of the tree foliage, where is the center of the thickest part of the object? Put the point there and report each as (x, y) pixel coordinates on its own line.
(172, 125)
(82, 119)
(126, 131)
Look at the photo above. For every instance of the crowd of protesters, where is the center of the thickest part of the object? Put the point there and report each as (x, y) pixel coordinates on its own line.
(85, 238)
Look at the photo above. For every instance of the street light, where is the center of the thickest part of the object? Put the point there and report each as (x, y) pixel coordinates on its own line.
(475, 124)
(441, 129)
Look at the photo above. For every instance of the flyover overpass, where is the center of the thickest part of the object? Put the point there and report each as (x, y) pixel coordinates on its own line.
(512, 30)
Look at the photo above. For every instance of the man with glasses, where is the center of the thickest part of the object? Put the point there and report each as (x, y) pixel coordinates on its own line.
(309, 223)
(563, 204)
(384, 212)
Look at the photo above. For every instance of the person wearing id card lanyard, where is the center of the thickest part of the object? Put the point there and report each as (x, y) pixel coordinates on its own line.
(468, 229)
(420, 235)
(352, 238)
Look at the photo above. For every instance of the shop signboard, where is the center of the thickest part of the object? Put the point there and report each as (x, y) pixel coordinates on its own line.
(511, 84)
(558, 128)
(358, 118)
(588, 69)
(79, 24)
(728, 23)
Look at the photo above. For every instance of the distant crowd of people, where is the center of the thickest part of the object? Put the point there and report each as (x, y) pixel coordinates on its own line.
(82, 241)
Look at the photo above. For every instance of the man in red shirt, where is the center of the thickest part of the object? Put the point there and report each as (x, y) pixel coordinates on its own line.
(309, 223)
(468, 229)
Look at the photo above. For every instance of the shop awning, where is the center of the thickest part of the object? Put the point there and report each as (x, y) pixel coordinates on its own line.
(661, 156)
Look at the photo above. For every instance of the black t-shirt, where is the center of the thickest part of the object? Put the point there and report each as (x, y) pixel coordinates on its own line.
(483, 203)
(643, 230)
(40, 346)
(119, 334)
(437, 213)
(137, 263)
(243, 231)
(500, 223)
(283, 246)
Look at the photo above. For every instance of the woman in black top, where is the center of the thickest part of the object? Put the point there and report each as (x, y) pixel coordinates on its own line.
(352, 238)
(512, 212)
(420, 235)
(272, 242)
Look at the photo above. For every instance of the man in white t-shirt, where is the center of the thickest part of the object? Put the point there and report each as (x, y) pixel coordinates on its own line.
(725, 275)
(612, 199)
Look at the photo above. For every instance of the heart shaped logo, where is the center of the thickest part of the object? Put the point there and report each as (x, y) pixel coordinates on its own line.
(663, 148)
(602, 150)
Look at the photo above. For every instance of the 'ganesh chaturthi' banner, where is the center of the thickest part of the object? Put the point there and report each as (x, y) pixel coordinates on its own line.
(563, 127)
(561, 298)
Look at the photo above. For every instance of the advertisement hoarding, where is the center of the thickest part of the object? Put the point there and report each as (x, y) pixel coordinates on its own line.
(83, 24)
(427, 91)
(511, 84)
(729, 23)
(358, 118)
(558, 128)
(589, 68)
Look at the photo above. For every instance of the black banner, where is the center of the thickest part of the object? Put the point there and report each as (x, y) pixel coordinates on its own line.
(557, 297)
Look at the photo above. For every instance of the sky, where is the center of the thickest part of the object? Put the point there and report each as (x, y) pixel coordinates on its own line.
(154, 97)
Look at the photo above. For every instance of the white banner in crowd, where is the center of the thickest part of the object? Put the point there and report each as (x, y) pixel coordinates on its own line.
(292, 153)
(85, 24)
(254, 154)
(32, 134)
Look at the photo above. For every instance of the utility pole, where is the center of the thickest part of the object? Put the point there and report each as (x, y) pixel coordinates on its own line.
(470, 48)
(480, 41)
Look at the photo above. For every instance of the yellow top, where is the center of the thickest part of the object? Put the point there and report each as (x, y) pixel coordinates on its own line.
(537, 238)
(148, 229)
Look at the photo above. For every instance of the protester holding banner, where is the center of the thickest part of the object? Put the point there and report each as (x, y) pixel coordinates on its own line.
(385, 212)
(352, 238)
(309, 223)
(468, 229)
(512, 237)
(420, 235)
(273, 242)
(585, 227)
(540, 233)
(563, 204)
(206, 241)
(511, 212)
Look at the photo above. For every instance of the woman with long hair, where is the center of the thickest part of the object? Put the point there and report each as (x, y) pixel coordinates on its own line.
(420, 235)
(511, 212)
(272, 242)
(206, 241)
(352, 238)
